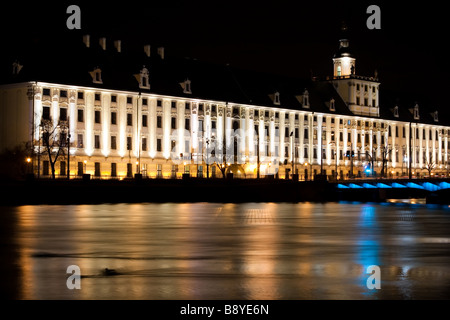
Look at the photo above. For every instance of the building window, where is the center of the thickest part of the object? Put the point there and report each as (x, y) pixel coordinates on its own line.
(187, 106)
(63, 94)
(159, 122)
(416, 112)
(113, 117)
(63, 114)
(46, 113)
(129, 144)
(45, 169)
(145, 102)
(173, 104)
(158, 145)
(200, 107)
(396, 111)
(186, 85)
(113, 143)
(80, 95)
(113, 169)
(332, 107)
(159, 103)
(366, 102)
(173, 123)
(159, 171)
(306, 98)
(358, 101)
(96, 75)
(213, 124)
(80, 114)
(129, 119)
(80, 169)
(97, 116)
(97, 141)
(144, 120)
(97, 97)
(129, 100)
(129, 170)
(114, 99)
(79, 140)
(143, 77)
(174, 171)
(97, 169)
(187, 124)
(277, 99)
(144, 144)
(46, 91)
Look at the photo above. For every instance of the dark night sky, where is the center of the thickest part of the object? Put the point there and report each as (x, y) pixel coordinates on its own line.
(295, 38)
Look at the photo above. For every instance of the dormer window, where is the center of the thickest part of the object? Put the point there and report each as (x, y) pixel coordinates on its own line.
(96, 75)
(16, 68)
(306, 99)
(186, 85)
(142, 78)
(332, 105)
(416, 112)
(396, 111)
(276, 99)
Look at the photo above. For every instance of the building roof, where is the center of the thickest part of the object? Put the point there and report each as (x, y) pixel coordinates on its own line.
(72, 62)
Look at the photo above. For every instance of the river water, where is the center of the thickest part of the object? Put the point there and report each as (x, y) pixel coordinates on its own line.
(249, 251)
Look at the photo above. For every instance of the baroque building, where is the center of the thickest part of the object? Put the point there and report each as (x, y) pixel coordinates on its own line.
(140, 111)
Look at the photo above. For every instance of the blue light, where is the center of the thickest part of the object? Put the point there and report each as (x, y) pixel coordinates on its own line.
(397, 185)
(430, 187)
(383, 185)
(369, 186)
(414, 185)
(444, 185)
(341, 186)
(354, 186)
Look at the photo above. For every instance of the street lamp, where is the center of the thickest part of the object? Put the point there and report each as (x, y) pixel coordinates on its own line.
(207, 158)
(293, 153)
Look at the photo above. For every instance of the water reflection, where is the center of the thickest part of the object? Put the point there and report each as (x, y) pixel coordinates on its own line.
(229, 251)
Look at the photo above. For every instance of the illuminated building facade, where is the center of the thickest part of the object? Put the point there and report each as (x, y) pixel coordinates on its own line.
(145, 113)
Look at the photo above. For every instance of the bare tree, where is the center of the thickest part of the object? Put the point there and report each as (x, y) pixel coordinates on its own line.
(54, 141)
(430, 166)
(385, 151)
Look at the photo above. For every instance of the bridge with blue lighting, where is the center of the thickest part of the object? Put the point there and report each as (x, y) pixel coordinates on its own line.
(422, 184)
(383, 189)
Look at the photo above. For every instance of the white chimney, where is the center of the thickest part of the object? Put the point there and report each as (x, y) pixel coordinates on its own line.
(87, 40)
(118, 45)
(147, 50)
(161, 52)
(102, 42)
